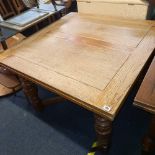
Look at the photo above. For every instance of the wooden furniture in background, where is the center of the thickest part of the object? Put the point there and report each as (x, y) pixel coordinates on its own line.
(152, 2)
(13, 41)
(67, 3)
(145, 99)
(96, 63)
(134, 9)
(9, 82)
(9, 8)
(18, 6)
(6, 9)
(46, 9)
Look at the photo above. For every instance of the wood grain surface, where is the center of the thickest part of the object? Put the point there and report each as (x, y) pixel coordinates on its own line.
(92, 61)
(145, 97)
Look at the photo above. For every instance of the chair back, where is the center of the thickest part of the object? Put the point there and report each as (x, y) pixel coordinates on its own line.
(30, 3)
(67, 3)
(6, 9)
(18, 6)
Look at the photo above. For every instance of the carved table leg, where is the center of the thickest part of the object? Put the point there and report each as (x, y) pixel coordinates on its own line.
(149, 140)
(31, 92)
(103, 129)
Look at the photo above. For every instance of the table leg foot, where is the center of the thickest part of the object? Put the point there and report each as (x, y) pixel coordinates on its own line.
(31, 92)
(148, 143)
(103, 129)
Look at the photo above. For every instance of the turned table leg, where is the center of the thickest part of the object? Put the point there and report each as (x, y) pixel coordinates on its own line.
(149, 139)
(103, 129)
(31, 92)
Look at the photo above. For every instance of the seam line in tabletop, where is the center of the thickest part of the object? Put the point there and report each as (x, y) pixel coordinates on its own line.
(117, 72)
(121, 100)
(113, 47)
(56, 72)
(95, 38)
(78, 101)
(84, 104)
(144, 36)
(113, 18)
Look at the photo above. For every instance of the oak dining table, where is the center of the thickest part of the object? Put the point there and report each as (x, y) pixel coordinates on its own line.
(92, 61)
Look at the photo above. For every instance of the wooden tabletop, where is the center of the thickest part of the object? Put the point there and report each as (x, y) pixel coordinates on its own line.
(92, 61)
(145, 97)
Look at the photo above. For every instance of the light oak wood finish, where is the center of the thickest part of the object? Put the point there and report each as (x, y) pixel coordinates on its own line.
(96, 64)
(134, 9)
(90, 60)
